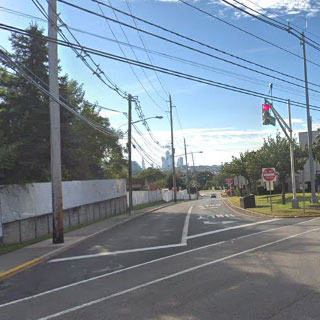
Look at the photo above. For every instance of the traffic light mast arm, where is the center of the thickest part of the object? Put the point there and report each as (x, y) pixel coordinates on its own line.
(282, 123)
(279, 118)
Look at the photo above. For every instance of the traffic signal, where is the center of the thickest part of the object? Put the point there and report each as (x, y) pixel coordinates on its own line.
(267, 119)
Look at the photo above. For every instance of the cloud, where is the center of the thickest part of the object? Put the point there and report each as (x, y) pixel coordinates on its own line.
(218, 144)
(294, 120)
(274, 8)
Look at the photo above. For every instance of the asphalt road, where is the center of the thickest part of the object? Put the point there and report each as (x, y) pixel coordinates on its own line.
(194, 260)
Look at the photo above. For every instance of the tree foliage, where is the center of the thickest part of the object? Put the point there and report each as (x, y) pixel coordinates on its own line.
(25, 123)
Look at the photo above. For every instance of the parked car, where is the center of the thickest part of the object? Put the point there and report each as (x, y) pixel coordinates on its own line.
(213, 195)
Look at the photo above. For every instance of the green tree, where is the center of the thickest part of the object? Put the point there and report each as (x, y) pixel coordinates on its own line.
(276, 153)
(151, 174)
(202, 178)
(25, 124)
(180, 181)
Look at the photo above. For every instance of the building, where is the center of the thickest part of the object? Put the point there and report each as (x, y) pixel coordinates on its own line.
(166, 162)
(143, 165)
(180, 162)
(305, 174)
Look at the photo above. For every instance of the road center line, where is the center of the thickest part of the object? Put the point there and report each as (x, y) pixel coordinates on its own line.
(230, 228)
(170, 276)
(186, 227)
(141, 265)
(114, 253)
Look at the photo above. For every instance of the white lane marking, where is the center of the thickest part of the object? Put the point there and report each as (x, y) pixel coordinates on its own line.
(220, 222)
(230, 228)
(170, 276)
(144, 264)
(87, 256)
(186, 227)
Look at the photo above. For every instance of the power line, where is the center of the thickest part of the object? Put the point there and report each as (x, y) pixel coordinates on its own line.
(183, 60)
(133, 71)
(165, 70)
(82, 54)
(188, 47)
(39, 6)
(199, 42)
(144, 153)
(19, 69)
(282, 27)
(245, 31)
(145, 47)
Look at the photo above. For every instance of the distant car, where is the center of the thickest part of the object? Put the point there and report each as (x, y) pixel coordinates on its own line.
(213, 196)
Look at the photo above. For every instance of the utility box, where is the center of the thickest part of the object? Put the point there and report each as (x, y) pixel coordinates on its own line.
(248, 202)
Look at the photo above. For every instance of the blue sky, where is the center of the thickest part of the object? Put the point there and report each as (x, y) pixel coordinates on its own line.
(218, 122)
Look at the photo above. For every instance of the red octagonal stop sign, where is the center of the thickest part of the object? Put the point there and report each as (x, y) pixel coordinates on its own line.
(269, 174)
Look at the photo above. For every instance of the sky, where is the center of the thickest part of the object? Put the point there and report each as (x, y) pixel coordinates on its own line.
(218, 122)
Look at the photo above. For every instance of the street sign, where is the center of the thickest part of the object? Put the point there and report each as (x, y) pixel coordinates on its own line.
(268, 174)
(229, 181)
(270, 186)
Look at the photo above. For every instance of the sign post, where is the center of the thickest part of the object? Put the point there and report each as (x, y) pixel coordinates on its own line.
(229, 182)
(268, 175)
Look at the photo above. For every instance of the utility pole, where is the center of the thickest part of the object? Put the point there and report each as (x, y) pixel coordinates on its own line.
(313, 188)
(294, 201)
(130, 209)
(55, 139)
(194, 175)
(185, 153)
(174, 178)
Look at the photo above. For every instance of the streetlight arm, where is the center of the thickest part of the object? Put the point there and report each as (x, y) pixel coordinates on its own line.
(155, 117)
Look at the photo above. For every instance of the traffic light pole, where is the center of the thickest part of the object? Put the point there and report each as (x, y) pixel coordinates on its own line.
(294, 201)
(284, 126)
(174, 179)
(311, 168)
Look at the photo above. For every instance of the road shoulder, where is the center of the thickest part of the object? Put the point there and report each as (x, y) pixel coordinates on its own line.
(31, 255)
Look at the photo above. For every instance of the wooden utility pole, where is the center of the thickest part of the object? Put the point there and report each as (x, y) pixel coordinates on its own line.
(55, 139)
(129, 154)
(174, 178)
(187, 173)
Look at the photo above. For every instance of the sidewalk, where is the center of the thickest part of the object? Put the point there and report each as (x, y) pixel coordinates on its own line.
(28, 256)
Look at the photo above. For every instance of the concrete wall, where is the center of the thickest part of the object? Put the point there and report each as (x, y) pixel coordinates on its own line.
(39, 225)
(26, 213)
(23, 201)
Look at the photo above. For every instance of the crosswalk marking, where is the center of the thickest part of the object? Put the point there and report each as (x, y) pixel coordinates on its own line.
(215, 216)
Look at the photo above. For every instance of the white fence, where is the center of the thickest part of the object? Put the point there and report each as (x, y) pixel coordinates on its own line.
(19, 202)
(142, 197)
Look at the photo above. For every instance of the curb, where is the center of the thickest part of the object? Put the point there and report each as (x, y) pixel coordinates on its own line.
(28, 264)
(233, 207)
(6, 274)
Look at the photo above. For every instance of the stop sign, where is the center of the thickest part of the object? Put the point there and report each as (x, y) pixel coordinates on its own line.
(268, 174)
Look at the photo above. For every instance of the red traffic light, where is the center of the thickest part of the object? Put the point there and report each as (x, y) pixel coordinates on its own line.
(265, 107)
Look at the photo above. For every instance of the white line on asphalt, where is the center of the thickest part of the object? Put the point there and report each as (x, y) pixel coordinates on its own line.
(143, 264)
(117, 252)
(186, 227)
(170, 276)
(230, 228)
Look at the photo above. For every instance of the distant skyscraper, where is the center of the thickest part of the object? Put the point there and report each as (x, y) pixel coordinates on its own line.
(166, 161)
(143, 165)
(180, 162)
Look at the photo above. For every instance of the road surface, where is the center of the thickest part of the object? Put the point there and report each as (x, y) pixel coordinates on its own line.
(193, 260)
